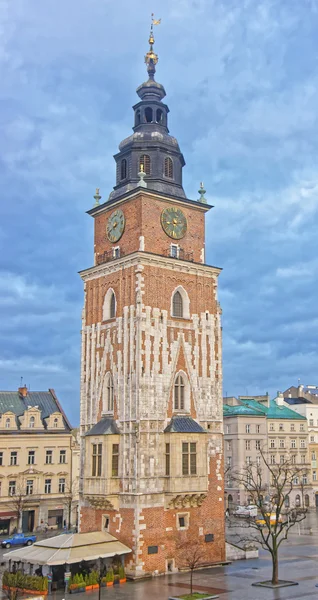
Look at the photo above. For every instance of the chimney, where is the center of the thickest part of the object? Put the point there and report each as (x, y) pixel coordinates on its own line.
(23, 391)
(279, 399)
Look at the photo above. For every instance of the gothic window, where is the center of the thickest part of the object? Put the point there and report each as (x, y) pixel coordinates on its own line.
(177, 305)
(148, 114)
(108, 393)
(159, 115)
(179, 393)
(138, 118)
(109, 306)
(123, 169)
(144, 164)
(168, 167)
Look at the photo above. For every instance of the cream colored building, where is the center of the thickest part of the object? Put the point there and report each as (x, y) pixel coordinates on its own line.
(39, 460)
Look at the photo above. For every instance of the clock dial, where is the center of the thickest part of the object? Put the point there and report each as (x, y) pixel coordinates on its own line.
(115, 226)
(174, 223)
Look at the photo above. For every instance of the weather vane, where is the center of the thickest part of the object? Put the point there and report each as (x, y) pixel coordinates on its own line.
(151, 57)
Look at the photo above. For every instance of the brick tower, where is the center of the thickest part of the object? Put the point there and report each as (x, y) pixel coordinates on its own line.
(151, 372)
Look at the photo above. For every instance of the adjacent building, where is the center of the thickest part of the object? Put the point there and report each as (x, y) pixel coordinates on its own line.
(37, 450)
(270, 425)
(151, 371)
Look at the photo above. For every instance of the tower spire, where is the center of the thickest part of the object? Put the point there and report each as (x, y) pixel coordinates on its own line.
(151, 57)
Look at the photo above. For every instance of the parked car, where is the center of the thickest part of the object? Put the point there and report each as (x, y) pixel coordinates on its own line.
(19, 539)
(272, 519)
(246, 511)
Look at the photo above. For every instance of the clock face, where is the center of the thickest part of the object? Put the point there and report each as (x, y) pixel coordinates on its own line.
(174, 223)
(115, 226)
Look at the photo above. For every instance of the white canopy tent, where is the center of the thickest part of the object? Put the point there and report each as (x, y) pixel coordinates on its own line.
(69, 548)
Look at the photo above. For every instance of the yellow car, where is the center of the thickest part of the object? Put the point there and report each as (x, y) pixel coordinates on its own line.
(272, 519)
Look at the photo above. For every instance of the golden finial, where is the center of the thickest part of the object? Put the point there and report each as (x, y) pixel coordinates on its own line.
(151, 57)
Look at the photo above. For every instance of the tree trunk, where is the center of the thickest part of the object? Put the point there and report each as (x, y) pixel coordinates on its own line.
(191, 577)
(275, 568)
(19, 528)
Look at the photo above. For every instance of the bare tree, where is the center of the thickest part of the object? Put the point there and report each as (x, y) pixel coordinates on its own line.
(190, 555)
(19, 500)
(277, 516)
(69, 497)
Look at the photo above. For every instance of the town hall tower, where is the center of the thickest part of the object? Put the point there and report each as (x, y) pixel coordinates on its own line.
(151, 369)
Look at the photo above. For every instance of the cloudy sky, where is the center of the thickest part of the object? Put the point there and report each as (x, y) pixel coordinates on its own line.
(241, 78)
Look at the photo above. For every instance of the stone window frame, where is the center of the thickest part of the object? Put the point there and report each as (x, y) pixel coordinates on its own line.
(108, 312)
(186, 516)
(108, 394)
(186, 398)
(185, 303)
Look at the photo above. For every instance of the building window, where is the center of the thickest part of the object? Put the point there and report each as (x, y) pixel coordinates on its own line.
(229, 461)
(116, 254)
(258, 444)
(313, 455)
(305, 479)
(272, 459)
(292, 427)
(109, 393)
(1, 459)
(12, 488)
(106, 521)
(13, 458)
(32, 422)
(189, 458)
(271, 427)
(168, 170)
(8, 423)
(62, 457)
(306, 499)
(97, 460)
(177, 305)
(281, 427)
(229, 445)
(293, 443)
(258, 461)
(258, 428)
(144, 164)
(293, 459)
(228, 429)
(302, 427)
(174, 251)
(112, 306)
(138, 117)
(152, 549)
(179, 393)
(159, 115)
(55, 423)
(49, 457)
(312, 438)
(183, 521)
(272, 443)
(167, 461)
(109, 306)
(297, 499)
(282, 459)
(282, 443)
(115, 460)
(29, 487)
(303, 458)
(31, 457)
(62, 485)
(314, 475)
(311, 422)
(303, 443)
(247, 428)
(148, 114)
(47, 486)
(123, 169)
(247, 444)
(248, 460)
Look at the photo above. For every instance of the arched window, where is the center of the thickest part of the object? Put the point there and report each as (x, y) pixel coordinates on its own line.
(230, 501)
(297, 500)
(138, 118)
(144, 162)
(123, 169)
(286, 501)
(55, 422)
(108, 393)
(159, 115)
(32, 422)
(148, 114)
(8, 423)
(179, 393)
(306, 500)
(177, 305)
(168, 167)
(109, 306)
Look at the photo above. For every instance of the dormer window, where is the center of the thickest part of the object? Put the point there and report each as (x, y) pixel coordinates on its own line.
(32, 422)
(55, 423)
(8, 423)
(149, 114)
(144, 164)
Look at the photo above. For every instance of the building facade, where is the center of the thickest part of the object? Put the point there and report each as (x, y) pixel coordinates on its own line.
(36, 462)
(281, 433)
(151, 372)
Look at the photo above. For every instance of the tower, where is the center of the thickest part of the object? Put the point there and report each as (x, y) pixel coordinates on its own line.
(151, 372)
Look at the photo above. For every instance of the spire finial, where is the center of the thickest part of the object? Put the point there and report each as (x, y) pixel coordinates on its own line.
(97, 197)
(151, 57)
(202, 191)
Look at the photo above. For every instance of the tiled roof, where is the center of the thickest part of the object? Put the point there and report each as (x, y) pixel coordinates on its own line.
(105, 426)
(183, 425)
(45, 401)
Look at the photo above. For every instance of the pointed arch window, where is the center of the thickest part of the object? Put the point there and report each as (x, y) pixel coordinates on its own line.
(144, 163)
(108, 393)
(110, 305)
(179, 393)
(138, 118)
(113, 306)
(159, 115)
(123, 169)
(177, 305)
(148, 114)
(168, 170)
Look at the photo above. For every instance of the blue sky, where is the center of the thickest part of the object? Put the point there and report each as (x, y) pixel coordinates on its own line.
(241, 78)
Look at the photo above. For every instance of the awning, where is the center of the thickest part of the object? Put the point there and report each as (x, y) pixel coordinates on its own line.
(69, 548)
(8, 515)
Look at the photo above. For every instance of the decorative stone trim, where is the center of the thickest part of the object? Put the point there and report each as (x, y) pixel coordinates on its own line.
(100, 502)
(187, 500)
